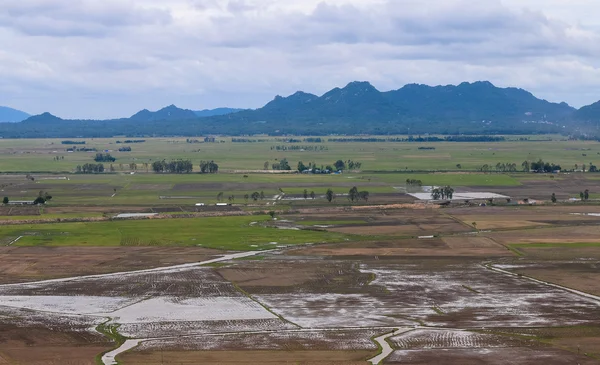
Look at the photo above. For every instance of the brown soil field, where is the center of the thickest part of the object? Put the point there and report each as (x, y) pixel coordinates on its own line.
(583, 345)
(247, 357)
(18, 210)
(547, 234)
(292, 275)
(471, 242)
(35, 263)
(40, 346)
(499, 222)
(497, 356)
(582, 276)
(447, 246)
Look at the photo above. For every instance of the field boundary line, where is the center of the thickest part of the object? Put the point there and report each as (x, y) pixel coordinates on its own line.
(594, 298)
(143, 271)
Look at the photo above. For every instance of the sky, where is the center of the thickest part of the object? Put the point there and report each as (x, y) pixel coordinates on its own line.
(94, 59)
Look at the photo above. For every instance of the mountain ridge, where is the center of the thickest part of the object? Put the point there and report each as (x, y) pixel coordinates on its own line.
(357, 108)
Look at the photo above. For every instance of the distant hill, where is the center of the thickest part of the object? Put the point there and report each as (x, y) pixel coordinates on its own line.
(10, 115)
(170, 112)
(217, 111)
(589, 113)
(357, 108)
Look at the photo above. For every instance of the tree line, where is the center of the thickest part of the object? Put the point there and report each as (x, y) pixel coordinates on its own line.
(483, 138)
(445, 192)
(90, 168)
(104, 157)
(300, 148)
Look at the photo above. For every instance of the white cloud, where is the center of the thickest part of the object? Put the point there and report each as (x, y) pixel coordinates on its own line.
(93, 58)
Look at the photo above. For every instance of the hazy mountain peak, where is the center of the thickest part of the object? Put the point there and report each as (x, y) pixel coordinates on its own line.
(10, 115)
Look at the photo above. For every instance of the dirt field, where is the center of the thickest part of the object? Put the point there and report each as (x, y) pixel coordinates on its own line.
(36, 263)
(40, 346)
(444, 247)
(581, 275)
(248, 357)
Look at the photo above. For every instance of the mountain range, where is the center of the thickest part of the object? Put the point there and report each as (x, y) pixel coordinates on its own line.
(357, 108)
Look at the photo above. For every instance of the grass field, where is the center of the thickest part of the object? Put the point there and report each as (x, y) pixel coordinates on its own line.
(38, 154)
(228, 233)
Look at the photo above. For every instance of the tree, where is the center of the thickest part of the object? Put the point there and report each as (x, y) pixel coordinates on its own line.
(458, 166)
(305, 194)
(329, 195)
(340, 165)
(474, 224)
(272, 214)
(364, 195)
(220, 196)
(553, 198)
(231, 199)
(586, 195)
(39, 200)
(284, 165)
(266, 165)
(262, 195)
(312, 195)
(255, 196)
(5, 200)
(209, 167)
(246, 197)
(301, 166)
(581, 195)
(448, 192)
(353, 194)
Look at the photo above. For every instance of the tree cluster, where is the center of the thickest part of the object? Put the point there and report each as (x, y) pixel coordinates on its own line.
(173, 167)
(300, 148)
(445, 192)
(72, 142)
(355, 195)
(132, 141)
(90, 168)
(104, 157)
(42, 198)
(282, 165)
(209, 167)
(414, 182)
(585, 195)
(125, 149)
(540, 166)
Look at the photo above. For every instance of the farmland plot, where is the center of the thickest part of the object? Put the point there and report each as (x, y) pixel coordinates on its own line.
(171, 301)
(445, 295)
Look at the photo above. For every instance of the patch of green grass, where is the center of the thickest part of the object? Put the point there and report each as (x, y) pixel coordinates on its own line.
(111, 331)
(226, 233)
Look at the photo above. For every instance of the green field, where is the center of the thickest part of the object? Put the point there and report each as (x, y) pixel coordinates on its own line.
(227, 233)
(38, 154)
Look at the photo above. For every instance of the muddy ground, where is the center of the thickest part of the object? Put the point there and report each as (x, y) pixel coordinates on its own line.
(20, 264)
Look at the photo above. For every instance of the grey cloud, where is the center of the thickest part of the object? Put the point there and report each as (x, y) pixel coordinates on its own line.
(62, 18)
(246, 51)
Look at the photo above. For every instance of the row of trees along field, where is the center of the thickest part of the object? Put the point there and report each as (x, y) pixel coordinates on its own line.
(339, 165)
(354, 195)
(175, 167)
(42, 198)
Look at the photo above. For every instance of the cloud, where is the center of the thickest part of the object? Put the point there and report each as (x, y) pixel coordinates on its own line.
(207, 53)
(77, 18)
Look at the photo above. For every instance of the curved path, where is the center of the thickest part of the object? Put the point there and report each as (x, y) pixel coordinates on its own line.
(386, 349)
